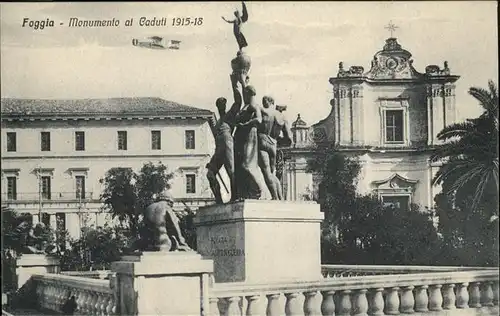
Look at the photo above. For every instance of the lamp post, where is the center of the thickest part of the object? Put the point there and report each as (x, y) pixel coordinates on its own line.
(39, 195)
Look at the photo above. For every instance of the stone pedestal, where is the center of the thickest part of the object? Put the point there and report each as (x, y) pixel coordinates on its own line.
(162, 283)
(29, 264)
(261, 241)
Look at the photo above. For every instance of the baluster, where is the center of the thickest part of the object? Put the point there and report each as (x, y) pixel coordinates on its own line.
(253, 305)
(214, 306)
(344, 307)
(376, 302)
(449, 296)
(407, 300)
(111, 306)
(80, 301)
(474, 295)
(92, 303)
(61, 291)
(392, 301)
(45, 296)
(487, 294)
(421, 298)
(88, 299)
(292, 305)
(328, 304)
(360, 307)
(273, 307)
(311, 305)
(462, 295)
(495, 293)
(102, 300)
(435, 297)
(233, 306)
(49, 297)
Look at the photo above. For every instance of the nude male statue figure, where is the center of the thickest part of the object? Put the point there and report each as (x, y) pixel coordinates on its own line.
(224, 143)
(273, 124)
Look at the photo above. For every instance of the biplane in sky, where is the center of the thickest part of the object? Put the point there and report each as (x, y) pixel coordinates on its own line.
(156, 42)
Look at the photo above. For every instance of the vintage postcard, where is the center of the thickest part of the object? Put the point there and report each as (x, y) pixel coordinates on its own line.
(220, 158)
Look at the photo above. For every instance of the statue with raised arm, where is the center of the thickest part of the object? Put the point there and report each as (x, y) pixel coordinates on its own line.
(272, 125)
(238, 22)
(246, 147)
(162, 226)
(224, 144)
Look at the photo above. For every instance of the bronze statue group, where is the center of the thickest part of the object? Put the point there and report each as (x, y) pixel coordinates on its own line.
(248, 133)
(246, 140)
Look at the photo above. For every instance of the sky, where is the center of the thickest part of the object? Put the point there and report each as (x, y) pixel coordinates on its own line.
(295, 48)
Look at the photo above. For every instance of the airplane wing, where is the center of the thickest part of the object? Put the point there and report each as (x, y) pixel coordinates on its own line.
(156, 38)
(156, 42)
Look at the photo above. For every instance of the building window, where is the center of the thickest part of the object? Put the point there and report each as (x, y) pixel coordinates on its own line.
(46, 219)
(190, 140)
(394, 126)
(80, 187)
(60, 221)
(79, 141)
(400, 202)
(155, 140)
(11, 188)
(122, 140)
(190, 183)
(11, 141)
(45, 183)
(45, 141)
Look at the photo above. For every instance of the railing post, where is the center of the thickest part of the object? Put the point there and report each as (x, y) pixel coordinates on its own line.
(233, 306)
(435, 297)
(421, 298)
(449, 296)
(214, 306)
(273, 307)
(360, 307)
(253, 305)
(292, 305)
(376, 302)
(171, 283)
(495, 293)
(344, 307)
(487, 294)
(407, 300)
(328, 304)
(392, 301)
(311, 304)
(474, 295)
(462, 295)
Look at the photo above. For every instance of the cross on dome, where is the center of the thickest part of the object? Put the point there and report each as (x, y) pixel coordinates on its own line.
(391, 27)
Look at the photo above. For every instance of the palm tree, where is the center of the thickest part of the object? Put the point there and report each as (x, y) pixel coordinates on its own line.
(470, 156)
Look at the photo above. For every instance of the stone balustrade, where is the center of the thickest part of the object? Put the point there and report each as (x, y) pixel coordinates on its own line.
(462, 291)
(96, 274)
(93, 297)
(342, 271)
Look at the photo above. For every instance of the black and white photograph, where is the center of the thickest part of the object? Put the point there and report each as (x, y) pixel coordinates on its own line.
(275, 158)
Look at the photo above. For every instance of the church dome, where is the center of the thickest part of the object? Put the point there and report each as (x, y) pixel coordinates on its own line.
(392, 62)
(299, 123)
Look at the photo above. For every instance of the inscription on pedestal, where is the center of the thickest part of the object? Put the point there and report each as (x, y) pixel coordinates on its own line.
(224, 246)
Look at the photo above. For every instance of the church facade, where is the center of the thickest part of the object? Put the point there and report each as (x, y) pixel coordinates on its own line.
(388, 117)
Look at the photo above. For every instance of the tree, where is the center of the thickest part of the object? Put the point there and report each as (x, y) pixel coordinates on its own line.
(126, 194)
(470, 156)
(95, 249)
(357, 229)
(468, 205)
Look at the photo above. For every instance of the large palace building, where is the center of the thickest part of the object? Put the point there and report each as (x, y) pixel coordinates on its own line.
(389, 117)
(54, 153)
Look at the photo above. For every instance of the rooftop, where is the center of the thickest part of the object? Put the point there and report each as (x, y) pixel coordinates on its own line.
(136, 106)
